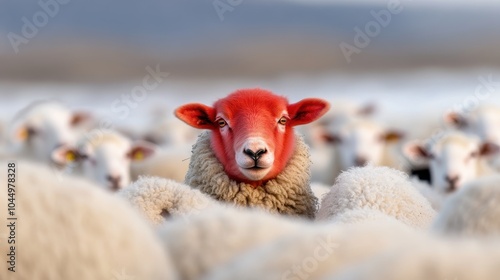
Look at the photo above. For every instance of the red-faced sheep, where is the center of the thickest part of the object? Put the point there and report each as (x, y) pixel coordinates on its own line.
(251, 155)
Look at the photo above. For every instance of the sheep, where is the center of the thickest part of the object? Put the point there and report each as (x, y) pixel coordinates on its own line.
(314, 251)
(251, 156)
(103, 156)
(472, 211)
(454, 159)
(429, 258)
(377, 188)
(159, 199)
(43, 126)
(67, 228)
(359, 142)
(204, 241)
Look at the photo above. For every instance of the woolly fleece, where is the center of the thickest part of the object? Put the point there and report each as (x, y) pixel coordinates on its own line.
(378, 188)
(158, 198)
(289, 193)
(71, 229)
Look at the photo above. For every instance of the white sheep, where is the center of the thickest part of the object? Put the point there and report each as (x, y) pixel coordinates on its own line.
(377, 188)
(472, 211)
(204, 241)
(314, 251)
(103, 156)
(360, 142)
(430, 259)
(43, 126)
(158, 199)
(454, 159)
(69, 229)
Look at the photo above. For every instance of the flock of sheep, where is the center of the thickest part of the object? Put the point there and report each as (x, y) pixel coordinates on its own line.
(253, 187)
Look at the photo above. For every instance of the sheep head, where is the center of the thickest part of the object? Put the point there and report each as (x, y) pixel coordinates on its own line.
(252, 130)
(454, 160)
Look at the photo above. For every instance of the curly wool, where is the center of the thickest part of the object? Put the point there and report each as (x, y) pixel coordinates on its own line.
(472, 211)
(158, 198)
(289, 193)
(378, 188)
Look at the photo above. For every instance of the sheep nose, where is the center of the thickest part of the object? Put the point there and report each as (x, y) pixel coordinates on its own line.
(115, 182)
(452, 180)
(360, 161)
(255, 155)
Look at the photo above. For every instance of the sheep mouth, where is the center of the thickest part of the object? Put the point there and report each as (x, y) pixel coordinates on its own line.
(255, 173)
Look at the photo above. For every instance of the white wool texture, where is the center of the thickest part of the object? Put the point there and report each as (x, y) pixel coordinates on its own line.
(314, 251)
(158, 199)
(378, 188)
(289, 193)
(472, 211)
(203, 242)
(70, 229)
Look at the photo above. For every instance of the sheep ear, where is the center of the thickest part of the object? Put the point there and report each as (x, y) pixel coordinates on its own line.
(392, 136)
(307, 110)
(141, 150)
(416, 151)
(455, 119)
(488, 149)
(80, 118)
(367, 110)
(64, 155)
(196, 115)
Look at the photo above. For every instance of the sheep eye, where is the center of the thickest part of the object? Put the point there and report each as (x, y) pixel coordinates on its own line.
(222, 123)
(282, 121)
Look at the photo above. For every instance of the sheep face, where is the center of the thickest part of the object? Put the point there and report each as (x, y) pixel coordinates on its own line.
(360, 142)
(107, 163)
(43, 127)
(252, 130)
(453, 161)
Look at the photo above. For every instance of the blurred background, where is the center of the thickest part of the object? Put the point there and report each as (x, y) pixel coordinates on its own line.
(409, 57)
